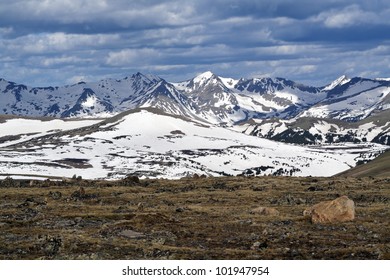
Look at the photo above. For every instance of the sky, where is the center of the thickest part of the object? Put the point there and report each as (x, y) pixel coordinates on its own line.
(60, 42)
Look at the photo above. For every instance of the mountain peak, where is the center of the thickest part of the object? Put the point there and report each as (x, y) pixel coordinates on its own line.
(338, 82)
(208, 74)
(201, 78)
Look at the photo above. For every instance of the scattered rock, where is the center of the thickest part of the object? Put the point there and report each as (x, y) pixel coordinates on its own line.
(122, 209)
(181, 209)
(131, 234)
(341, 209)
(80, 194)
(55, 195)
(131, 180)
(33, 202)
(140, 206)
(266, 211)
(163, 237)
(50, 245)
(9, 182)
(245, 222)
(315, 189)
(259, 245)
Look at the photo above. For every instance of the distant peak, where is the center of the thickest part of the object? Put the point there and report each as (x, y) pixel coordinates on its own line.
(149, 77)
(138, 74)
(205, 75)
(338, 82)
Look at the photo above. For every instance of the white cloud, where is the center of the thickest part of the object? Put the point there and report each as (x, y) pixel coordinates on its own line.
(350, 16)
(6, 31)
(131, 56)
(57, 61)
(58, 42)
(62, 40)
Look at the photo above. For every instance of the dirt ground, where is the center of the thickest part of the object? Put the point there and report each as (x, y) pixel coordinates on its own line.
(197, 218)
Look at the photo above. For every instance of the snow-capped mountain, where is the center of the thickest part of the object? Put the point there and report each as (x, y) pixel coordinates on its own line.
(225, 100)
(352, 100)
(105, 98)
(338, 82)
(207, 97)
(214, 101)
(308, 130)
(148, 142)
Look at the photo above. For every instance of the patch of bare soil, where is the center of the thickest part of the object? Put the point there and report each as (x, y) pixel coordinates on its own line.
(198, 218)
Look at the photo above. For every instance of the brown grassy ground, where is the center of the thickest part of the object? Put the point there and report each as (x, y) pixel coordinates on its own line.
(205, 218)
(379, 167)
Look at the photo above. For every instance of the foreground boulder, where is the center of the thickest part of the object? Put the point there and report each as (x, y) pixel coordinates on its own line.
(341, 209)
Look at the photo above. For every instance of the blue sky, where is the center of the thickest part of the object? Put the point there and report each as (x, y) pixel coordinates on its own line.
(58, 42)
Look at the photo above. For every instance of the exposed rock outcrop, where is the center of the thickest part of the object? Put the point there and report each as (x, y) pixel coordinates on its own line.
(341, 209)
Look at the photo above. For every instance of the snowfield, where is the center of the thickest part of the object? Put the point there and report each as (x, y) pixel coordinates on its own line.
(26, 129)
(151, 144)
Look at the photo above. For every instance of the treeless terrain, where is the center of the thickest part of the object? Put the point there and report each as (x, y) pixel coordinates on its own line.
(379, 167)
(192, 218)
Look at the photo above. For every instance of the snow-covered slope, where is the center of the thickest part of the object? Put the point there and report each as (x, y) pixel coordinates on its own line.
(352, 100)
(148, 142)
(338, 82)
(307, 130)
(15, 130)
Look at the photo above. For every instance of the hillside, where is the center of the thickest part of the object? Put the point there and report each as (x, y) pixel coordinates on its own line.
(379, 167)
(149, 143)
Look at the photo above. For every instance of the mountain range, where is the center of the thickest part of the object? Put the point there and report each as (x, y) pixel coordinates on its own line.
(146, 126)
(209, 97)
(276, 108)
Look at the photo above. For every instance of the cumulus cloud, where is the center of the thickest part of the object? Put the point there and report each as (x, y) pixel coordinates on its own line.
(352, 15)
(131, 56)
(46, 41)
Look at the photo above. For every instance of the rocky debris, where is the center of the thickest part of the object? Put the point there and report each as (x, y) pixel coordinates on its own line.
(122, 209)
(49, 245)
(163, 237)
(259, 245)
(80, 194)
(341, 209)
(131, 234)
(131, 180)
(9, 182)
(266, 211)
(55, 195)
(197, 176)
(287, 199)
(315, 189)
(33, 202)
